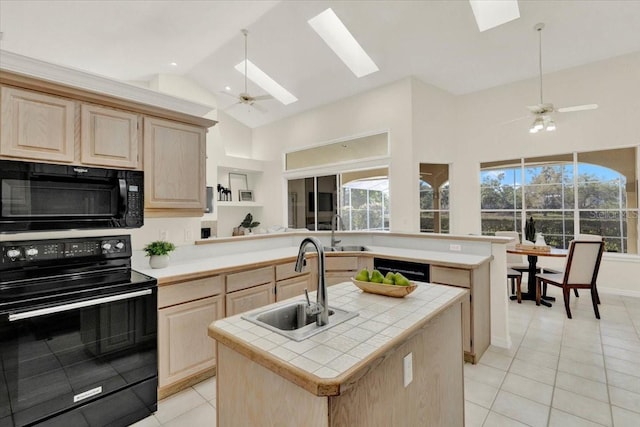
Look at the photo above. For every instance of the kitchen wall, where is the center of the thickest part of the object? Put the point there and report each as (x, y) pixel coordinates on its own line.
(430, 125)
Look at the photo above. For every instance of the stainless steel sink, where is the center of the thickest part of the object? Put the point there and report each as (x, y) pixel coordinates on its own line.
(294, 322)
(352, 248)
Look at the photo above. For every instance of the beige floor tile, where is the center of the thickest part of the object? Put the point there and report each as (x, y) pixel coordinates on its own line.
(591, 372)
(625, 418)
(496, 420)
(478, 393)
(537, 373)
(582, 406)
(593, 389)
(633, 345)
(496, 360)
(621, 334)
(582, 356)
(202, 415)
(624, 381)
(150, 421)
(207, 388)
(484, 374)
(625, 399)
(562, 419)
(528, 388)
(621, 353)
(474, 415)
(178, 404)
(521, 409)
(623, 366)
(538, 358)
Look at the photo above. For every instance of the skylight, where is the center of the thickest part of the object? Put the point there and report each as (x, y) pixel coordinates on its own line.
(331, 29)
(263, 80)
(491, 13)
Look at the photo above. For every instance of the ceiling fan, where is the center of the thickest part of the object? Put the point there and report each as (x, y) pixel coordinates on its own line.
(542, 111)
(244, 97)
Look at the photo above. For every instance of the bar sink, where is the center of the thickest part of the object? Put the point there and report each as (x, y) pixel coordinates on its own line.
(294, 321)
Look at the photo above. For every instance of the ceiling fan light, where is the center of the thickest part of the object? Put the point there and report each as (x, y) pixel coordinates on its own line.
(533, 129)
(338, 37)
(551, 126)
(263, 80)
(492, 13)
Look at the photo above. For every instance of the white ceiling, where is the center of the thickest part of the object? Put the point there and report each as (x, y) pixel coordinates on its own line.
(436, 41)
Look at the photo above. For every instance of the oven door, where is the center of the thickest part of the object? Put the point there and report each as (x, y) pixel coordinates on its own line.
(61, 361)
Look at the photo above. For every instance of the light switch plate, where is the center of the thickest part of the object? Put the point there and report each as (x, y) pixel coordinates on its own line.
(408, 369)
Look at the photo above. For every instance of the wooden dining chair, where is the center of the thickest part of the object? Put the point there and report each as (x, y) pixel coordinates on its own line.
(581, 272)
(515, 277)
(581, 237)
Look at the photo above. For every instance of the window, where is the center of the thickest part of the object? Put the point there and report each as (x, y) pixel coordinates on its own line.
(365, 200)
(586, 193)
(434, 198)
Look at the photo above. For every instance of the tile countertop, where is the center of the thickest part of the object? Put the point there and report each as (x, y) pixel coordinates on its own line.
(326, 364)
(219, 264)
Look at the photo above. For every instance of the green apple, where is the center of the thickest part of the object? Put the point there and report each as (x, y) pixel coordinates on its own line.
(363, 275)
(376, 276)
(401, 280)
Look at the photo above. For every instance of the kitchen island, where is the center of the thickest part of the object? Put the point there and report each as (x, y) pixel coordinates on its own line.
(353, 374)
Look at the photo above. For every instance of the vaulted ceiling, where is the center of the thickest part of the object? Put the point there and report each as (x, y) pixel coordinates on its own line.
(435, 41)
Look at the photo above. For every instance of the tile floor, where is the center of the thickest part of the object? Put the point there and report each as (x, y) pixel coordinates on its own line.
(558, 372)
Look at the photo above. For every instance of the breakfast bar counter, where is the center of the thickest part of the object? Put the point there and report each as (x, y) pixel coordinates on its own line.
(352, 374)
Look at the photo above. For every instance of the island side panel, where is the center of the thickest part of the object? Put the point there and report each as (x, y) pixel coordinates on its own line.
(434, 398)
(250, 395)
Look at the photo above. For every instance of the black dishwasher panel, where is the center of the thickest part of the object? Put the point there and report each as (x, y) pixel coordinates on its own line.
(410, 270)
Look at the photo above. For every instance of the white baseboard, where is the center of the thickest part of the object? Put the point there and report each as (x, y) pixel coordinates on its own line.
(617, 291)
(501, 342)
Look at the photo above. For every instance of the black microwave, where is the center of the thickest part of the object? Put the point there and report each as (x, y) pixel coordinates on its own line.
(46, 197)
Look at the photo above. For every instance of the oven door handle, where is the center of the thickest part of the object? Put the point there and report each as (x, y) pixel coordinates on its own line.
(75, 305)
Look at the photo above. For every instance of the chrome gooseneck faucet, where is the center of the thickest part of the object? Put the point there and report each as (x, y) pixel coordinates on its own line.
(322, 305)
(334, 226)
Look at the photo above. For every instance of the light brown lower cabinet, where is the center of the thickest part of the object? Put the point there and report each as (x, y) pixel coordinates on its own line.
(183, 348)
(342, 268)
(248, 299)
(185, 354)
(476, 309)
(295, 286)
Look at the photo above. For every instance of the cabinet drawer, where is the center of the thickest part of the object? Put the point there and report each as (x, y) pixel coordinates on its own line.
(285, 271)
(248, 299)
(295, 286)
(248, 279)
(189, 291)
(341, 263)
(450, 276)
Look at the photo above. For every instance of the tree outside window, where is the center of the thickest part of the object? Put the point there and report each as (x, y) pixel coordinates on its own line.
(587, 193)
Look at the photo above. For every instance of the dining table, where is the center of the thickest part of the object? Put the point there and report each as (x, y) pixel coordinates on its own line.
(532, 254)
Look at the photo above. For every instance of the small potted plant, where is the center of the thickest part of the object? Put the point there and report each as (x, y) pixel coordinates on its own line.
(158, 253)
(248, 223)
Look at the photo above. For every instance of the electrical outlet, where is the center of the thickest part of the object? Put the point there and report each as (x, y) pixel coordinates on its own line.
(455, 248)
(408, 369)
(187, 235)
(164, 235)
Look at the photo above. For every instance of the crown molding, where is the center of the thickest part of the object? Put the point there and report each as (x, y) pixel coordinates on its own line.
(32, 67)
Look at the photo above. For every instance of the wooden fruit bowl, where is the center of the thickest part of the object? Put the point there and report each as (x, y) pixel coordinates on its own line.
(383, 289)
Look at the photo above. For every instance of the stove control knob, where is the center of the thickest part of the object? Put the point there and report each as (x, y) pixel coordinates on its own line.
(31, 252)
(120, 245)
(106, 246)
(13, 253)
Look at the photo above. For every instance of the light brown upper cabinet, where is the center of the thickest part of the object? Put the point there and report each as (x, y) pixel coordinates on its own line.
(108, 137)
(174, 168)
(36, 126)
